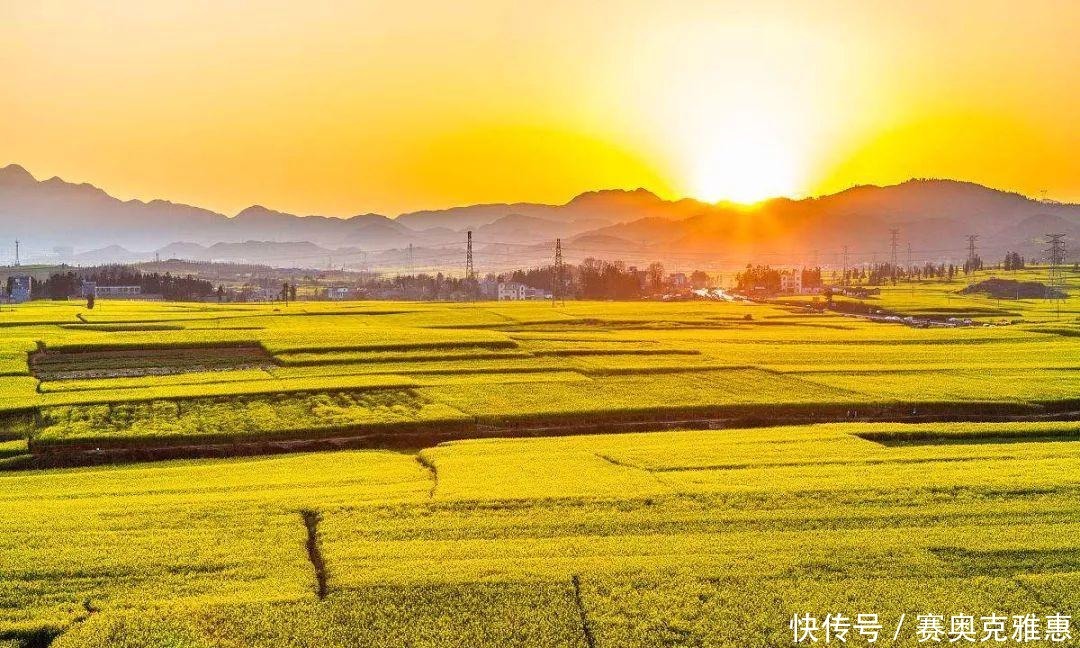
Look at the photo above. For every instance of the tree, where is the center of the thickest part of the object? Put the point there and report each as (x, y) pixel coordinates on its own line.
(90, 301)
(811, 277)
(655, 275)
(699, 279)
(758, 278)
(292, 292)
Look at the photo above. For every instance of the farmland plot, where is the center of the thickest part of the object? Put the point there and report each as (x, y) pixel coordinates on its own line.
(210, 420)
(666, 538)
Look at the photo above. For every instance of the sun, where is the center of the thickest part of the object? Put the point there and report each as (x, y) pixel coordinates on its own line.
(743, 166)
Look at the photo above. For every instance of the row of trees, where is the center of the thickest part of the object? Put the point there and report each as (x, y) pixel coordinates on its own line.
(62, 285)
(767, 279)
(591, 279)
(1013, 261)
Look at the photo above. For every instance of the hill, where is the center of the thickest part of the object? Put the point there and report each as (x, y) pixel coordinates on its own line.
(933, 216)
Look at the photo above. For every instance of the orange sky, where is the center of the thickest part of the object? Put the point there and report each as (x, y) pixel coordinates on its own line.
(345, 107)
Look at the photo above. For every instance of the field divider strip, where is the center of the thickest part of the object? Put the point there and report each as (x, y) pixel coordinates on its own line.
(429, 465)
(314, 550)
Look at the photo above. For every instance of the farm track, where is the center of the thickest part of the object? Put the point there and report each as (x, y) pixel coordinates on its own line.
(413, 440)
(586, 628)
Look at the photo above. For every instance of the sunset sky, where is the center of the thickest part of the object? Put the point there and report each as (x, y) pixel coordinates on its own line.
(340, 108)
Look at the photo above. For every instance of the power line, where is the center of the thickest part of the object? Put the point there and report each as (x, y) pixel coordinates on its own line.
(538, 250)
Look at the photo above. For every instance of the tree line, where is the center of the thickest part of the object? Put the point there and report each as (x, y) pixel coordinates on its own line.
(63, 285)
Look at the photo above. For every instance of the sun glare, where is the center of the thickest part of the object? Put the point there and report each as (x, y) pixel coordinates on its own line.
(744, 167)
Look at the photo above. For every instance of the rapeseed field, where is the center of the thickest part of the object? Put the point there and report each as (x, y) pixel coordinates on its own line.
(772, 460)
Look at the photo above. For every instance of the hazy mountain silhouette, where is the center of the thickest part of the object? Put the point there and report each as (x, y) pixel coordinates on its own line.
(932, 215)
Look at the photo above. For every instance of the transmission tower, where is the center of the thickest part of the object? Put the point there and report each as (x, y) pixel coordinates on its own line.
(470, 271)
(1055, 280)
(412, 269)
(16, 254)
(557, 274)
(972, 250)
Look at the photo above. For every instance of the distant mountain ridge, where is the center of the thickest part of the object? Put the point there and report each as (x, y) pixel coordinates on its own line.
(932, 215)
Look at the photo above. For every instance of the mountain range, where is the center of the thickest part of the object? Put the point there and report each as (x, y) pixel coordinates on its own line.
(59, 221)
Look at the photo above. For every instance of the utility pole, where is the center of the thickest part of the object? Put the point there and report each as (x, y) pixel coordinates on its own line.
(843, 277)
(557, 274)
(910, 269)
(470, 271)
(893, 242)
(1055, 281)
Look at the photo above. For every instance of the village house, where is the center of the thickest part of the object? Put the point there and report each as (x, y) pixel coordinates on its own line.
(511, 291)
(338, 293)
(118, 292)
(791, 281)
(20, 289)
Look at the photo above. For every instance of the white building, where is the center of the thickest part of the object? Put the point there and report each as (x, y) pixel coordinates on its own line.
(791, 281)
(338, 293)
(20, 288)
(117, 292)
(512, 291)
